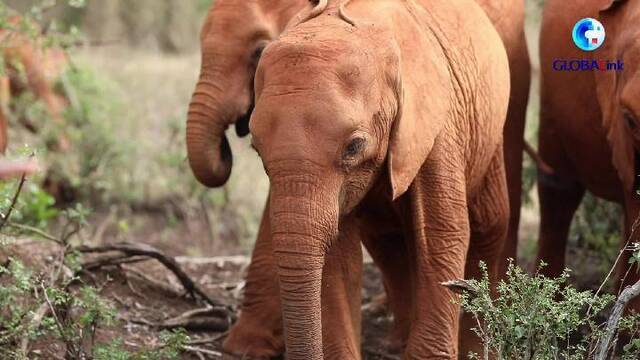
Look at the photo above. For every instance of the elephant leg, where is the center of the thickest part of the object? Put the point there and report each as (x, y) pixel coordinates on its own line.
(258, 333)
(389, 253)
(559, 194)
(557, 208)
(629, 275)
(489, 222)
(558, 204)
(439, 242)
(514, 145)
(341, 295)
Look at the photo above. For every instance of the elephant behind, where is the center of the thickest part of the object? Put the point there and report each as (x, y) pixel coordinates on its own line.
(588, 124)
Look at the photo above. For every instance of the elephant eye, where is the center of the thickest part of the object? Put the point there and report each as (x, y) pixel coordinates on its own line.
(355, 147)
(255, 56)
(630, 120)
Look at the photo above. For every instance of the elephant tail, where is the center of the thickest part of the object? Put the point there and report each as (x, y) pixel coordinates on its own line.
(542, 166)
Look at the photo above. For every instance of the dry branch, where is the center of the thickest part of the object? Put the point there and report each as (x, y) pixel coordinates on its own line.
(146, 250)
(205, 319)
(459, 286)
(112, 261)
(6, 216)
(219, 261)
(164, 287)
(627, 295)
(199, 350)
(42, 311)
(540, 163)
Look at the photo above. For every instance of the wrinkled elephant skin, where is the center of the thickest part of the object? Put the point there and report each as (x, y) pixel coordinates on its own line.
(396, 104)
(258, 332)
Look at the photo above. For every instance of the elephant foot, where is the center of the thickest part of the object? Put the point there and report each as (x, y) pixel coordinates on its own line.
(250, 339)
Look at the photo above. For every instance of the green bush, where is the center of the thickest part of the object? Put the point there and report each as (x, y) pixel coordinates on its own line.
(537, 318)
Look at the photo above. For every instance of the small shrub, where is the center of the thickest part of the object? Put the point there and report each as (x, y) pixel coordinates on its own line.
(533, 317)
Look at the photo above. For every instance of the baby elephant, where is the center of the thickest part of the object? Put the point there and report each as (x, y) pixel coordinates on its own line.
(373, 119)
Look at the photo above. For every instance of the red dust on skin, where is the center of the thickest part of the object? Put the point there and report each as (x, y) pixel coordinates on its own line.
(255, 333)
(444, 170)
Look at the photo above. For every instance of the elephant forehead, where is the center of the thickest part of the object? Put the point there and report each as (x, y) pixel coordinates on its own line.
(318, 66)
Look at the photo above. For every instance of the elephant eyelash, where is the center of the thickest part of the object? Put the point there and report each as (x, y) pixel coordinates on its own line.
(630, 120)
(354, 148)
(255, 56)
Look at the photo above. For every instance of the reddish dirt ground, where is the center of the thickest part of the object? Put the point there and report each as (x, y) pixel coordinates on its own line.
(146, 295)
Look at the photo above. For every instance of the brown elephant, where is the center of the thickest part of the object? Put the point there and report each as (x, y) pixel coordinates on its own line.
(382, 116)
(508, 18)
(588, 122)
(23, 55)
(232, 39)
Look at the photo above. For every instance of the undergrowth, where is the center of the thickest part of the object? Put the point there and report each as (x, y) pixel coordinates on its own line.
(539, 318)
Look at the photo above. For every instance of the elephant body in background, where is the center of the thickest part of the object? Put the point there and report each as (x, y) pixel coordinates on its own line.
(588, 123)
(232, 38)
(508, 19)
(29, 67)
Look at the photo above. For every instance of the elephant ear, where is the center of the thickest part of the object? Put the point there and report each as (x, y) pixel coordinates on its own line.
(608, 93)
(421, 114)
(611, 4)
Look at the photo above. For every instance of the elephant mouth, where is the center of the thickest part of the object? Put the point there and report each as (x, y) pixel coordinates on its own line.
(242, 123)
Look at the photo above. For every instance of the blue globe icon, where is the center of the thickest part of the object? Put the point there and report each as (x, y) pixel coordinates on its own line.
(588, 34)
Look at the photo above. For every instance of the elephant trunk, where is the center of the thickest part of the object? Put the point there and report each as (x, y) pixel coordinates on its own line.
(208, 149)
(304, 223)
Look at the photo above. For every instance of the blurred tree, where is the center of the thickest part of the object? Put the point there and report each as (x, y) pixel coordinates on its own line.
(102, 22)
(171, 25)
(168, 25)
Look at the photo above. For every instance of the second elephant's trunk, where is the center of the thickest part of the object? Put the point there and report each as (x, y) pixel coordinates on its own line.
(207, 146)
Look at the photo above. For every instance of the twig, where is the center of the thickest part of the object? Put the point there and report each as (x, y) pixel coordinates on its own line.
(207, 311)
(209, 340)
(219, 261)
(208, 222)
(63, 335)
(634, 227)
(133, 289)
(42, 311)
(627, 295)
(112, 261)
(146, 250)
(201, 324)
(35, 231)
(202, 351)
(459, 286)
(540, 163)
(167, 288)
(5, 218)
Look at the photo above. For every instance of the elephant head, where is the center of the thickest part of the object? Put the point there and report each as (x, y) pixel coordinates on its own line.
(619, 91)
(335, 120)
(232, 39)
